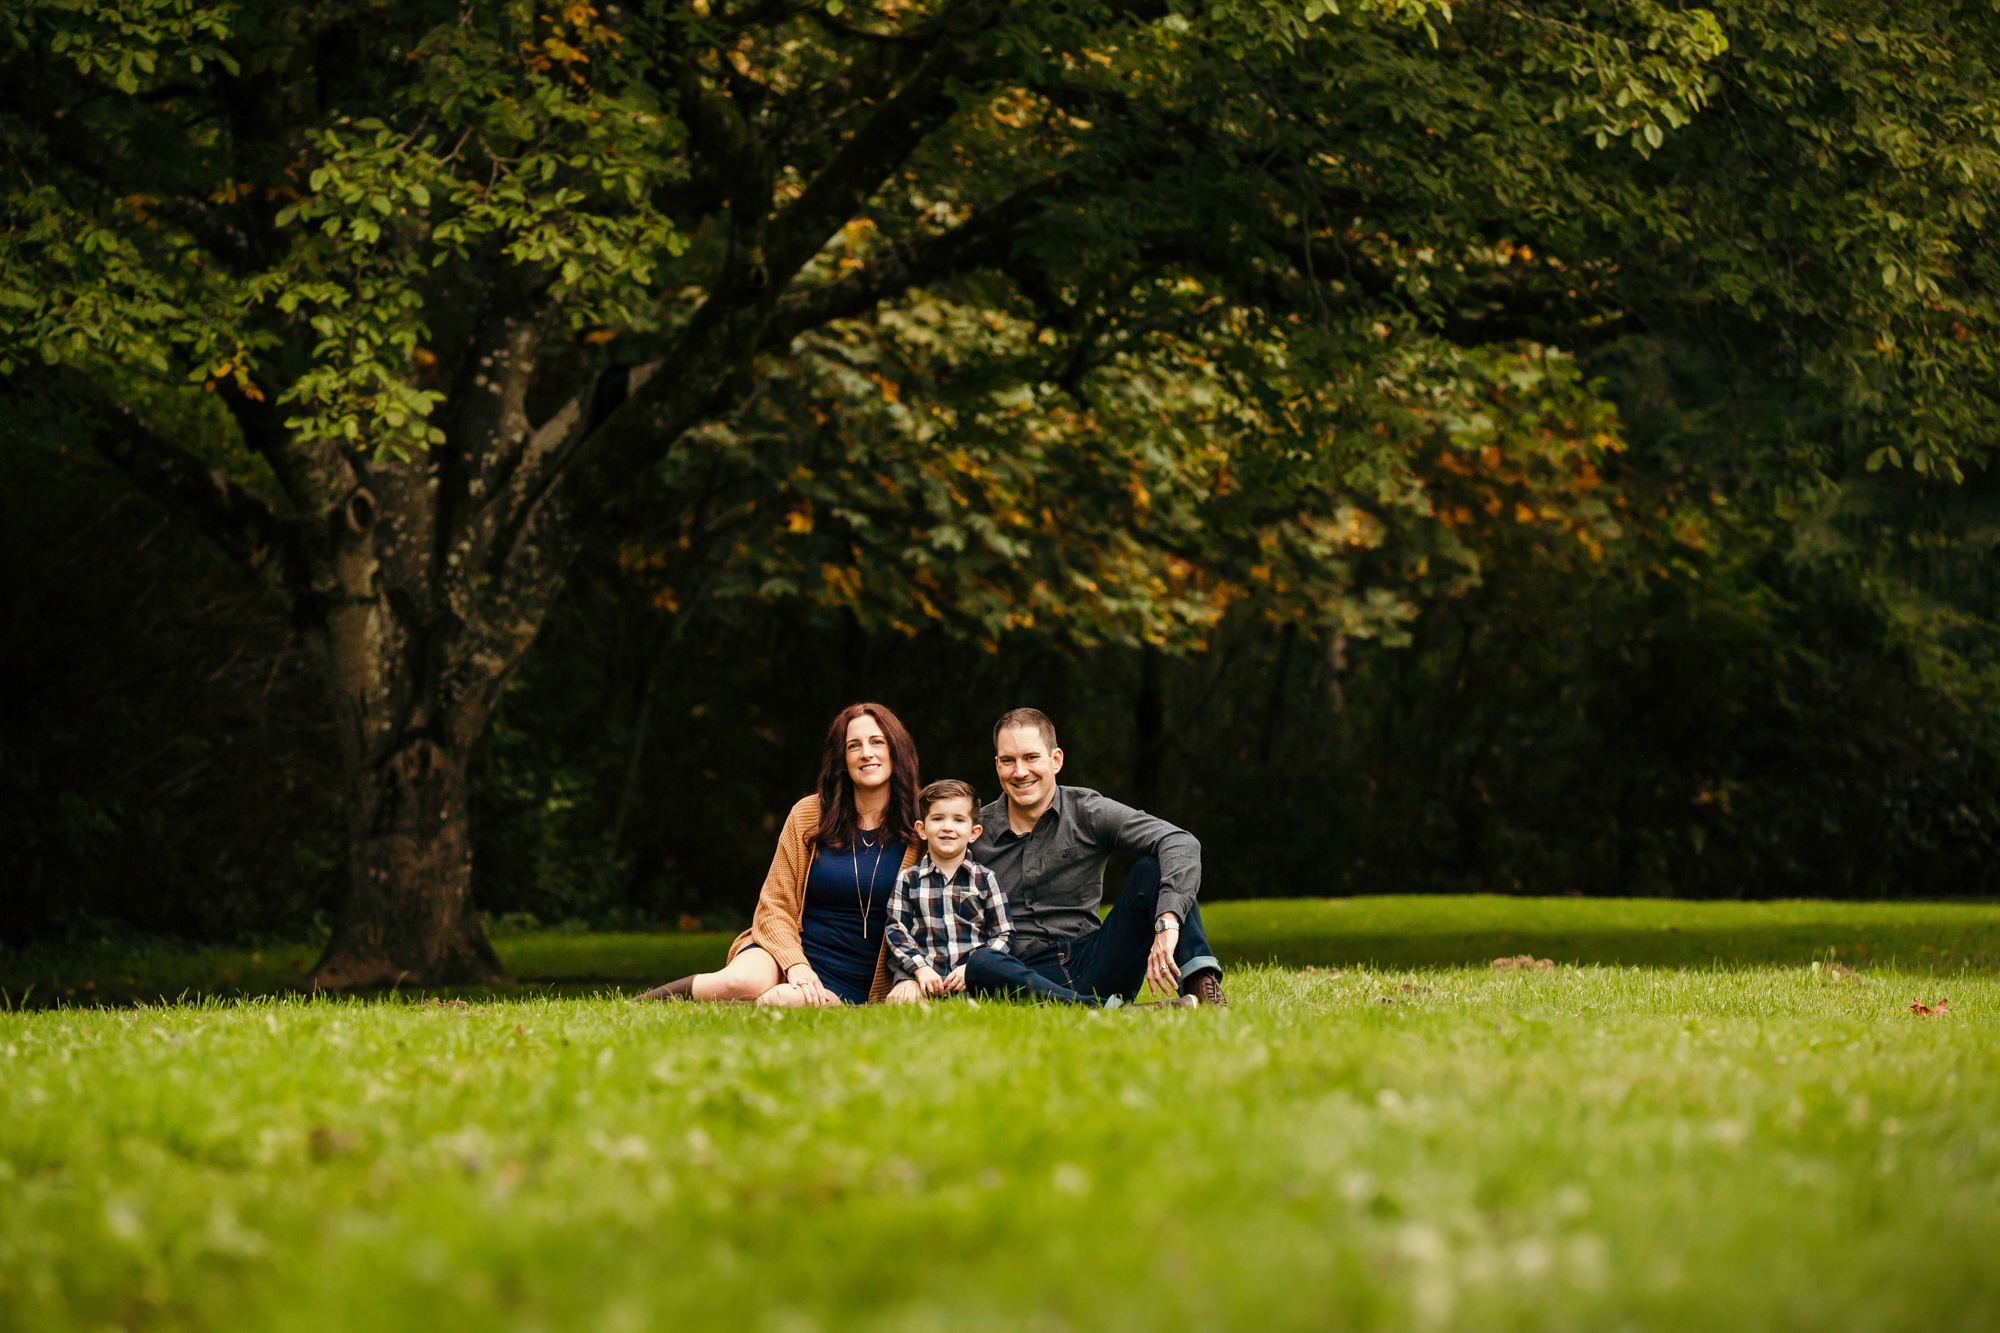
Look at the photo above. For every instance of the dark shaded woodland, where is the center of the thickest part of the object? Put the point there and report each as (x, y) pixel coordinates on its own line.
(1759, 724)
(455, 458)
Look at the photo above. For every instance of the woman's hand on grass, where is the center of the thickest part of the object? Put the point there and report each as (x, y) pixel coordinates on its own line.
(807, 980)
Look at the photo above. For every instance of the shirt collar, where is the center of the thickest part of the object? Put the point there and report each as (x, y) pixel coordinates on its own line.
(1054, 812)
(926, 866)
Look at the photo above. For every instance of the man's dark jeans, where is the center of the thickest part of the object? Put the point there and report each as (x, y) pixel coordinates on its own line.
(1109, 961)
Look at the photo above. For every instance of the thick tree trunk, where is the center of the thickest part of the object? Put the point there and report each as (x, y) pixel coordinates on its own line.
(408, 916)
(413, 664)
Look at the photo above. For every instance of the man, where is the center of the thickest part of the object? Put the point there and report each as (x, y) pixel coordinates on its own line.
(1048, 845)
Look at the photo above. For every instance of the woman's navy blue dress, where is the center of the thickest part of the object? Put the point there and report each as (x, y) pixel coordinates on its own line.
(847, 908)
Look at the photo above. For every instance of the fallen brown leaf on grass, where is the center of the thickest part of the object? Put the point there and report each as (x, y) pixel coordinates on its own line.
(1323, 971)
(435, 1003)
(1524, 962)
(1927, 1010)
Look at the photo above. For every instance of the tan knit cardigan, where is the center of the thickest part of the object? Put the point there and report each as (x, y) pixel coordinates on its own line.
(781, 906)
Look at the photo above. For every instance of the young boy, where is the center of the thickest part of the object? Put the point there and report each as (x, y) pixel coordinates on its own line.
(944, 906)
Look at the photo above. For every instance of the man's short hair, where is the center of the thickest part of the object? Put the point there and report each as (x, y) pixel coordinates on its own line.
(947, 789)
(1026, 717)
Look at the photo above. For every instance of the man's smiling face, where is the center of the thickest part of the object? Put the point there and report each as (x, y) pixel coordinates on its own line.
(1027, 768)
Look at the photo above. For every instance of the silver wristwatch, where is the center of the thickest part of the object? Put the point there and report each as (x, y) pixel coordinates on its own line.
(1161, 925)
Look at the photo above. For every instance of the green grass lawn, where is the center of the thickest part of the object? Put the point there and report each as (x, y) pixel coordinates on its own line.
(1383, 932)
(1594, 1147)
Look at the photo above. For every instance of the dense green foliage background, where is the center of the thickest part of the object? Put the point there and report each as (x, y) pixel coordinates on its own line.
(1788, 700)
(1542, 448)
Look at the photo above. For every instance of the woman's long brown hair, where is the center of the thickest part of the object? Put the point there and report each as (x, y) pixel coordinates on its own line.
(838, 819)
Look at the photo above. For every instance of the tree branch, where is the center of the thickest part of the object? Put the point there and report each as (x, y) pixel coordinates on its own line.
(700, 374)
(884, 143)
(986, 240)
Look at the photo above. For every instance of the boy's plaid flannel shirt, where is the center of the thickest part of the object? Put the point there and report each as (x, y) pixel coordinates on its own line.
(935, 922)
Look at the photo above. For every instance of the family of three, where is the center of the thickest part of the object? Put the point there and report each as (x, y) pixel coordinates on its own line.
(882, 890)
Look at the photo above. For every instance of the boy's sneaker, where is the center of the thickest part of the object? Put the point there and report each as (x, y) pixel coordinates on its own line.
(1206, 988)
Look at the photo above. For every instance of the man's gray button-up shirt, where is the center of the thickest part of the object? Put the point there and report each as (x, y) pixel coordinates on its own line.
(1054, 875)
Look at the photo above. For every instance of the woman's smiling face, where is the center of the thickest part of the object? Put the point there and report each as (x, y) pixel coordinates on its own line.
(868, 765)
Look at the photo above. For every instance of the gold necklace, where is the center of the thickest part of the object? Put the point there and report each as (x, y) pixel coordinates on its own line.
(854, 858)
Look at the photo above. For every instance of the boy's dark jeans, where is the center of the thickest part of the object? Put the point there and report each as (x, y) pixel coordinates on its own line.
(1109, 961)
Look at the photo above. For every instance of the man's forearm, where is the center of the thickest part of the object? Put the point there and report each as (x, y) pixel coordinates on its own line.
(1177, 851)
(1180, 873)
(1180, 858)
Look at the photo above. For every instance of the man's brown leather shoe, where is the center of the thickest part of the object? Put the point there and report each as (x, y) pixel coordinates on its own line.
(1207, 988)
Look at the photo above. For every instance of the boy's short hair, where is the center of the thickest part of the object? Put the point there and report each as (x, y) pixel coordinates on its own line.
(947, 789)
(1026, 717)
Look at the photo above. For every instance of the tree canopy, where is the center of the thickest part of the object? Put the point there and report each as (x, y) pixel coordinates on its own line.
(1087, 319)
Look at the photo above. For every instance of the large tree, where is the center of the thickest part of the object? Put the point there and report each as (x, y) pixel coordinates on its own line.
(471, 280)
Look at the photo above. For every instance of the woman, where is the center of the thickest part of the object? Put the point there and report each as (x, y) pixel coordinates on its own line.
(816, 937)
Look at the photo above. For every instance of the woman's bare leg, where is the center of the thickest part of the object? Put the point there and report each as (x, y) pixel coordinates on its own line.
(747, 976)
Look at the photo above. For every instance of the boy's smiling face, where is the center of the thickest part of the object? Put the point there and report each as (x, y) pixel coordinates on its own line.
(949, 827)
